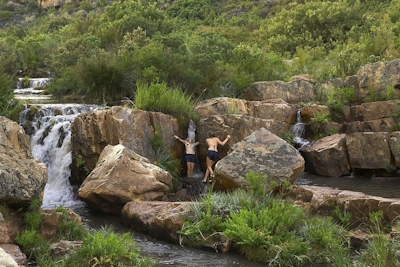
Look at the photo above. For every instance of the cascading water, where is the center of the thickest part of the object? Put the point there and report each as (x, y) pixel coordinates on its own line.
(35, 88)
(298, 131)
(51, 144)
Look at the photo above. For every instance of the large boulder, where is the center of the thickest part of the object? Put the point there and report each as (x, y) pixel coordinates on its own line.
(237, 126)
(132, 128)
(372, 111)
(327, 156)
(378, 80)
(369, 150)
(394, 144)
(22, 178)
(121, 176)
(158, 219)
(292, 92)
(263, 153)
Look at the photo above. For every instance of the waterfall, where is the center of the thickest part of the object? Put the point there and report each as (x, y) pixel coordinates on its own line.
(51, 144)
(298, 131)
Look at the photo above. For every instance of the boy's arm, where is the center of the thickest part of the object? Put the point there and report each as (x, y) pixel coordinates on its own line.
(179, 139)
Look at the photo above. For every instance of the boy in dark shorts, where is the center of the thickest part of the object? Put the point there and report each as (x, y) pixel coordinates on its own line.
(190, 156)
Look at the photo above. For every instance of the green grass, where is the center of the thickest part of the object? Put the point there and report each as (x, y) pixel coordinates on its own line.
(172, 101)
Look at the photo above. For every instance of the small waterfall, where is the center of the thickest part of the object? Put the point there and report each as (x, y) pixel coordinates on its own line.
(298, 131)
(51, 144)
(35, 92)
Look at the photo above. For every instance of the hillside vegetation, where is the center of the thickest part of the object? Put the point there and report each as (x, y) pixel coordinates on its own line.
(103, 50)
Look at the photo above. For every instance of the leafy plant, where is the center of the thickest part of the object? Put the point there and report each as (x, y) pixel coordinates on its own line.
(106, 248)
(33, 216)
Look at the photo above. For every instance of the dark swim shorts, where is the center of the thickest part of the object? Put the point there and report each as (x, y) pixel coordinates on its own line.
(213, 155)
(190, 158)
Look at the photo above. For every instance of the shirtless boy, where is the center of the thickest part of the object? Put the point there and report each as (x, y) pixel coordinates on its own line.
(190, 156)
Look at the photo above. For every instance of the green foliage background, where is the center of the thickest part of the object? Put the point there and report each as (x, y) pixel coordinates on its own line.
(103, 50)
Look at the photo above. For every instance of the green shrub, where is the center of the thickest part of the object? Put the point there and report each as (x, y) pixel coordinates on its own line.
(32, 244)
(172, 101)
(33, 216)
(70, 229)
(326, 240)
(5, 15)
(107, 248)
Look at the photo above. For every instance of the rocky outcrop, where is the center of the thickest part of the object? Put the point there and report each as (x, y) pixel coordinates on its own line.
(322, 201)
(22, 178)
(309, 112)
(121, 176)
(158, 219)
(132, 128)
(51, 220)
(292, 92)
(262, 153)
(369, 150)
(15, 256)
(380, 79)
(271, 109)
(237, 126)
(328, 156)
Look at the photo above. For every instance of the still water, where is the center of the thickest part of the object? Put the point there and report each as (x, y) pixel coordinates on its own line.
(378, 186)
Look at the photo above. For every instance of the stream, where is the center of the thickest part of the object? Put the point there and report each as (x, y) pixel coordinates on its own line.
(51, 144)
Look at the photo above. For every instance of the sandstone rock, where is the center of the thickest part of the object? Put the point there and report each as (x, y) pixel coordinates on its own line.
(275, 109)
(6, 259)
(51, 220)
(132, 128)
(369, 150)
(15, 252)
(55, 3)
(309, 112)
(263, 153)
(381, 125)
(4, 235)
(394, 144)
(376, 78)
(292, 92)
(121, 176)
(323, 200)
(371, 111)
(237, 126)
(158, 219)
(327, 156)
(22, 177)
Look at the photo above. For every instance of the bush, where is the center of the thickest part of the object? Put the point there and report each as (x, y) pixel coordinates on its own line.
(107, 248)
(172, 101)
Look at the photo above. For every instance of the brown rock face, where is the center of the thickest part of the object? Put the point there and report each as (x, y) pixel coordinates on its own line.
(121, 176)
(327, 156)
(22, 177)
(369, 150)
(263, 153)
(292, 92)
(378, 79)
(160, 220)
(275, 109)
(132, 128)
(237, 126)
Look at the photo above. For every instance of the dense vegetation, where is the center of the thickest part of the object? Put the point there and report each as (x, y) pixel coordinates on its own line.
(268, 228)
(102, 51)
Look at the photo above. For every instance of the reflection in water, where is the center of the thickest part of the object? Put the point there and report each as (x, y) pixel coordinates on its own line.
(382, 187)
